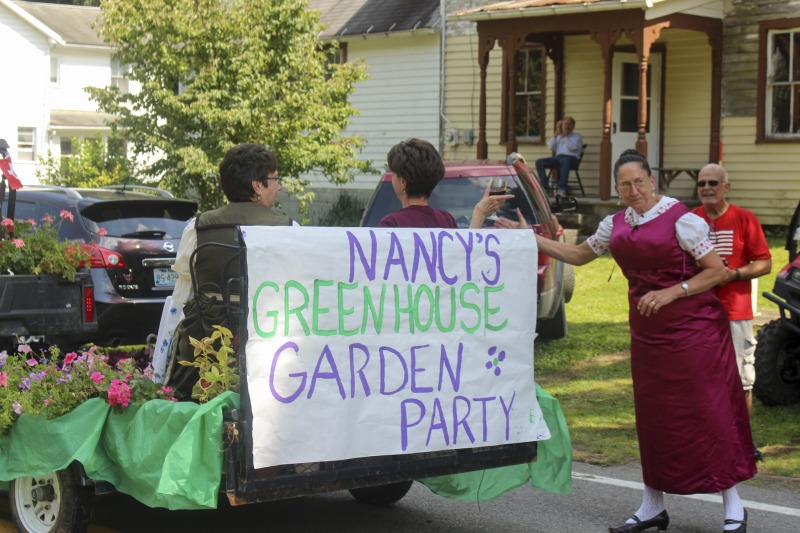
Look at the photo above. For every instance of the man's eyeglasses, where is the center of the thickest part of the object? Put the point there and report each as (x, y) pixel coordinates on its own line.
(276, 178)
(626, 185)
(710, 183)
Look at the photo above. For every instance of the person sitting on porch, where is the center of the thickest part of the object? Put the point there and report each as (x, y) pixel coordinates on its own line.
(566, 144)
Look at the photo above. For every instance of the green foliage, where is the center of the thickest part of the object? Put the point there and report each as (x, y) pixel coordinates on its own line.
(31, 248)
(214, 74)
(70, 2)
(346, 212)
(780, 258)
(217, 368)
(36, 386)
(91, 165)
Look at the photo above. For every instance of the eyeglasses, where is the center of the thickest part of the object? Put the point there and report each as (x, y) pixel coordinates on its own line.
(626, 185)
(276, 178)
(710, 183)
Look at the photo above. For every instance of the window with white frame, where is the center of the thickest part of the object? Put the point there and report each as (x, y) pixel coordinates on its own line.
(26, 144)
(529, 112)
(54, 66)
(119, 75)
(782, 94)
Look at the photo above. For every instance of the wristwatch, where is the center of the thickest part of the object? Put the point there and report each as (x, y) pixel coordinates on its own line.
(685, 287)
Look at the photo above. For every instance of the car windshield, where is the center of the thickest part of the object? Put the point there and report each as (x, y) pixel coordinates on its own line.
(142, 220)
(457, 196)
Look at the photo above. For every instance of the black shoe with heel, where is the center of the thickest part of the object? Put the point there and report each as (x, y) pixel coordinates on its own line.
(742, 524)
(661, 521)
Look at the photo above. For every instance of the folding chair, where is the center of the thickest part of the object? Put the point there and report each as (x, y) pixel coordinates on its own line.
(574, 175)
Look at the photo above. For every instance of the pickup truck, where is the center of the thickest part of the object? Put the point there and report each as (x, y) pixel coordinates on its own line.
(41, 309)
(46, 310)
(359, 411)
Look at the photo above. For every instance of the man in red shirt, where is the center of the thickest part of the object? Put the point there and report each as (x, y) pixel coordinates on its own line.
(739, 240)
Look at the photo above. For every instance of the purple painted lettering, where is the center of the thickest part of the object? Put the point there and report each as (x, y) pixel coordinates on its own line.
(369, 266)
(405, 423)
(295, 394)
(382, 351)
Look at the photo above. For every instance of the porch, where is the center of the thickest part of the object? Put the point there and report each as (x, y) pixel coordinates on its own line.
(630, 74)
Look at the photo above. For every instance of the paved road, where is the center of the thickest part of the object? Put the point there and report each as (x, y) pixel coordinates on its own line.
(601, 496)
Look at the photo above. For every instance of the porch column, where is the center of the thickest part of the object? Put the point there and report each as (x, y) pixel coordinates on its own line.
(606, 38)
(485, 45)
(715, 40)
(641, 127)
(644, 42)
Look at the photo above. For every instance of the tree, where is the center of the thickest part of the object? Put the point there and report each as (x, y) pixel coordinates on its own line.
(93, 164)
(70, 2)
(216, 73)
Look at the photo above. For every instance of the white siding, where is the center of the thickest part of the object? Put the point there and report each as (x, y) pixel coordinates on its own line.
(79, 69)
(400, 99)
(26, 75)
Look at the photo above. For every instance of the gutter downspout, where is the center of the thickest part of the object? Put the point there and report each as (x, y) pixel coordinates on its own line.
(442, 118)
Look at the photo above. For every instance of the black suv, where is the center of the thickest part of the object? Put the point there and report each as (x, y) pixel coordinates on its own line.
(134, 234)
(463, 185)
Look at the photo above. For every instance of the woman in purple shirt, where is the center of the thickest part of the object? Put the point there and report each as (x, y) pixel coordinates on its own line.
(417, 168)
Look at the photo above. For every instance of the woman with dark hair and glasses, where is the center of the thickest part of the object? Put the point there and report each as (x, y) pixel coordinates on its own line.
(691, 416)
(248, 176)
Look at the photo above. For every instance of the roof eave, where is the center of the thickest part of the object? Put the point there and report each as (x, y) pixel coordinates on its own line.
(653, 9)
(33, 21)
(386, 34)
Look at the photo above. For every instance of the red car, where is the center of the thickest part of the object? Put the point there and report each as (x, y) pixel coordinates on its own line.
(462, 187)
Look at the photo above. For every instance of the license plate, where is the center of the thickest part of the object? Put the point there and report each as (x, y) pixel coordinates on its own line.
(165, 277)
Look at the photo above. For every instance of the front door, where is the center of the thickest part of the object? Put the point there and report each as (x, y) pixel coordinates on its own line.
(625, 106)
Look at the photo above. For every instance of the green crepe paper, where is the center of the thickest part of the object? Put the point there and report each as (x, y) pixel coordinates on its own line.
(164, 454)
(552, 471)
(168, 454)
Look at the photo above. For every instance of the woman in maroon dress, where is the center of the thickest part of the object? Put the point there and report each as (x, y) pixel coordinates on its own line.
(691, 417)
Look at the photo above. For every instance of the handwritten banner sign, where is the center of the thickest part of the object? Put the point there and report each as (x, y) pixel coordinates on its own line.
(366, 342)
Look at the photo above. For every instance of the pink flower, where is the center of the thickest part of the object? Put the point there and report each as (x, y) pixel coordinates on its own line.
(67, 215)
(47, 218)
(31, 362)
(4, 379)
(102, 231)
(19, 243)
(167, 390)
(7, 222)
(48, 401)
(31, 222)
(119, 393)
(70, 358)
(24, 348)
(17, 407)
(97, 377)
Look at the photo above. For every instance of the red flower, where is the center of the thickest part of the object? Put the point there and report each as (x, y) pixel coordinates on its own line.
(8, 224)
(67, 215)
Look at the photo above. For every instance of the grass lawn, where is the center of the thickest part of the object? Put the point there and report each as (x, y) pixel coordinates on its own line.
(589, 373)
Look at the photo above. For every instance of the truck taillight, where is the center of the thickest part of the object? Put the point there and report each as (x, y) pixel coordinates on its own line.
(88, 303)
(105, 258)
